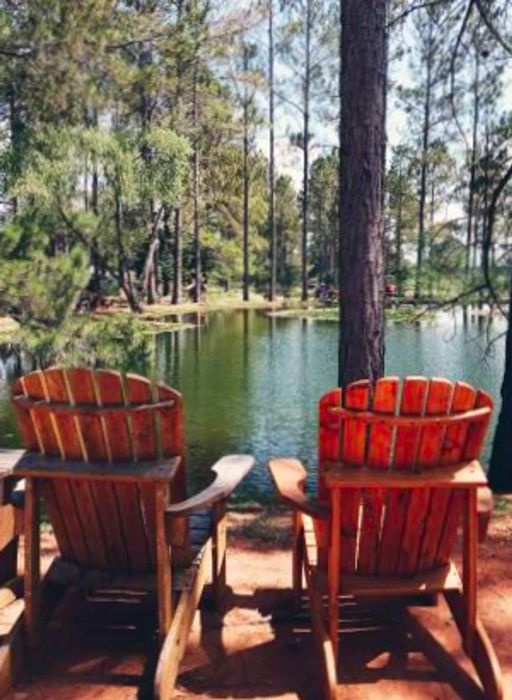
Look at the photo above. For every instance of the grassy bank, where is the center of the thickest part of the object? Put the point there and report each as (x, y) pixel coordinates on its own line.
(162, 317)
(165, 317)
(404, 314)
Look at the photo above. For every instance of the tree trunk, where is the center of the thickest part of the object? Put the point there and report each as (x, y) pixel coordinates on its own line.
(305, 143)
(399, 262)
(177, 282)
(195, 186)
(97, 272)
(166, 284)
(424, 164)
(149, 275)
(362, 131)
(472, 174)
(271, 164)
(500, 468)
(245, 292)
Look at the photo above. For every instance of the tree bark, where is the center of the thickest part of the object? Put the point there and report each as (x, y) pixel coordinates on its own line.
(362, 131)
(177, 282)
(399, 262)
(195, 187)
(472, 173)
(424, 165)
(500, 468)
(271, 164)
(305, 143)
(245, 292)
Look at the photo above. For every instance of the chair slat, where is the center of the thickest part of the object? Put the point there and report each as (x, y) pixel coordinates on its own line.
(145, 443)
(146, 446)
(463, 400)
(439, 398)
(34, 387)
(449, 506)
(381, 436)
(357, 396)
(118, 443)
(116, 424)
(477, 428)
(132, 542)
(69, 507)
(414, 394)
(329, 435)
(380, 443)
(79, 385)
(171, 422)
(134, 530)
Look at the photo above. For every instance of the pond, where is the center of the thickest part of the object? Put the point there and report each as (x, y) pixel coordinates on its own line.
(251, 381)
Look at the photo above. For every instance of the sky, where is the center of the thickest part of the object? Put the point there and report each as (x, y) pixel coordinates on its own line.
(289, 159)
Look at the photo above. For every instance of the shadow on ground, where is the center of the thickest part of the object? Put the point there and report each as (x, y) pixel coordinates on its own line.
(258, 649)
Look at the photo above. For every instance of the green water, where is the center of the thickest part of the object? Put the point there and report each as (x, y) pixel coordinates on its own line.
(251, 382)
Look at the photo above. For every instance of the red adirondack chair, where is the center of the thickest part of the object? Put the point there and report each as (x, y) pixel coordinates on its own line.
(397, 477)
(105, 453)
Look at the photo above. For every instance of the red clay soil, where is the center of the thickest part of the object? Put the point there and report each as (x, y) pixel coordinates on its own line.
(259, 650)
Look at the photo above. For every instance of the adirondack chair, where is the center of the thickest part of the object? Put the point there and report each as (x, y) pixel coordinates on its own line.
(397, 476)
(105, 453)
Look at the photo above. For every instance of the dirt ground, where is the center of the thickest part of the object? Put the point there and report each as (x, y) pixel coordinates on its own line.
(258, 649)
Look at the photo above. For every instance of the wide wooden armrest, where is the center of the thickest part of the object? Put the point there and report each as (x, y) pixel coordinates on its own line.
(229, 472)
(466, 475)
(289, 477)
(33, 464)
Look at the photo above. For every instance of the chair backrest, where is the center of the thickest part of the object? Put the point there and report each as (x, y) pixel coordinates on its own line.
(399, 425)
(101, 416)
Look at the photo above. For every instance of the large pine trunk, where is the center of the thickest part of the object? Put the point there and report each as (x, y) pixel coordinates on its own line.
(362, 134)
(500, 469)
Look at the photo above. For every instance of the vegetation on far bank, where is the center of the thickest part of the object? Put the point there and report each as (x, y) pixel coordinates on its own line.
(395, 314)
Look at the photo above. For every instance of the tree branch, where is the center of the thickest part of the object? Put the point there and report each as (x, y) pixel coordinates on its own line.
(492, 28)
(453, 59)
(413, 8)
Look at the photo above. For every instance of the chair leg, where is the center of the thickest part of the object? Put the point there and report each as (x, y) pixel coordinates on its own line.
(321, 636)
(470, 552)
(333, 570)
(482, 652)
(219, 553)
(297, 558)
(163, 563)
(32, 561)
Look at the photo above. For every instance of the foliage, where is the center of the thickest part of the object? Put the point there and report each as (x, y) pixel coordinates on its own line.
(121, 343)
(40, 292)
(323, 221)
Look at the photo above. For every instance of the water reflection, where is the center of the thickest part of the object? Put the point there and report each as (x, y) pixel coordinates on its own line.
(251, 382)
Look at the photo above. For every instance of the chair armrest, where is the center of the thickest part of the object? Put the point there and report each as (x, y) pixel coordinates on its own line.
(289, 478)
(229, 472)
(462, 476)
(32, 464)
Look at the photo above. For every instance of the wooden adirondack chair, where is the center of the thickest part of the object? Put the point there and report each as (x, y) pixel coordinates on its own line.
(397, 476)
(106, 455)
